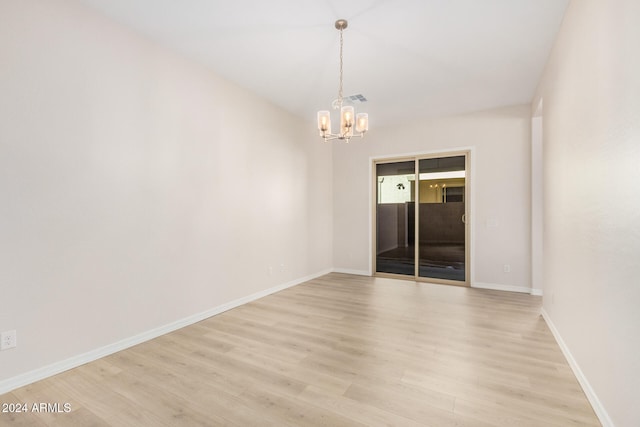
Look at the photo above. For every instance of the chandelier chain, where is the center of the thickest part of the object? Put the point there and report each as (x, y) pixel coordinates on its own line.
(340, 87)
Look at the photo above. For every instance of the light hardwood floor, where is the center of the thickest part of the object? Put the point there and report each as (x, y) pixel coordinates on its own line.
(339, 350)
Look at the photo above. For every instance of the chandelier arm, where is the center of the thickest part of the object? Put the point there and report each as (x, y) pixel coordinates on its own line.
(331, 136)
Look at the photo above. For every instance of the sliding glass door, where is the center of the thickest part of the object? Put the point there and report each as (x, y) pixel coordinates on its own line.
(395, 213)
(442, 218)
(433, 247)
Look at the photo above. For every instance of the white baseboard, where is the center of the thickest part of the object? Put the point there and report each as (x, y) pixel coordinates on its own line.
(508, 288)
(348, 271)
(598, 408)
(479, 285)
(47, 371)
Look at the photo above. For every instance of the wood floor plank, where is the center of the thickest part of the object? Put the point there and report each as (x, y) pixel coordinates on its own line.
(354, 410)
(339, 350)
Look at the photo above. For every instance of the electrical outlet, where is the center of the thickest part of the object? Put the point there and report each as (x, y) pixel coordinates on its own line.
(8, 339)
(507, 268)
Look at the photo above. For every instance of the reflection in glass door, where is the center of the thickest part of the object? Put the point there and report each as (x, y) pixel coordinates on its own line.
(442, 218)
(435, 246)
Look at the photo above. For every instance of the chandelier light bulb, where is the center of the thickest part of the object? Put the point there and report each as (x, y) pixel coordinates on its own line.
(346, 121)
(362, 122)
(324, 122)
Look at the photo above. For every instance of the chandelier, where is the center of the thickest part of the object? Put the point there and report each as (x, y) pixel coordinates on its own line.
(348, 119)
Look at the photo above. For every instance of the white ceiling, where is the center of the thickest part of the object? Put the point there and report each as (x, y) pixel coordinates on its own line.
(409, 58)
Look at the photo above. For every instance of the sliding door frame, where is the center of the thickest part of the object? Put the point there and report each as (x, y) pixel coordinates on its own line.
(468, 208)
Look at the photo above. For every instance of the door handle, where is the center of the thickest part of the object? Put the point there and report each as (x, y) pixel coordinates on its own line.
(464, 218)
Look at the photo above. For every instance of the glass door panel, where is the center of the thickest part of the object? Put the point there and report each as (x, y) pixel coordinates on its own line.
(441, 211)
(395, 218)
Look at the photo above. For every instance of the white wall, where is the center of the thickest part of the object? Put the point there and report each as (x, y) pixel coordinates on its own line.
(591, 116)
(501, 183)
(128, 182)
